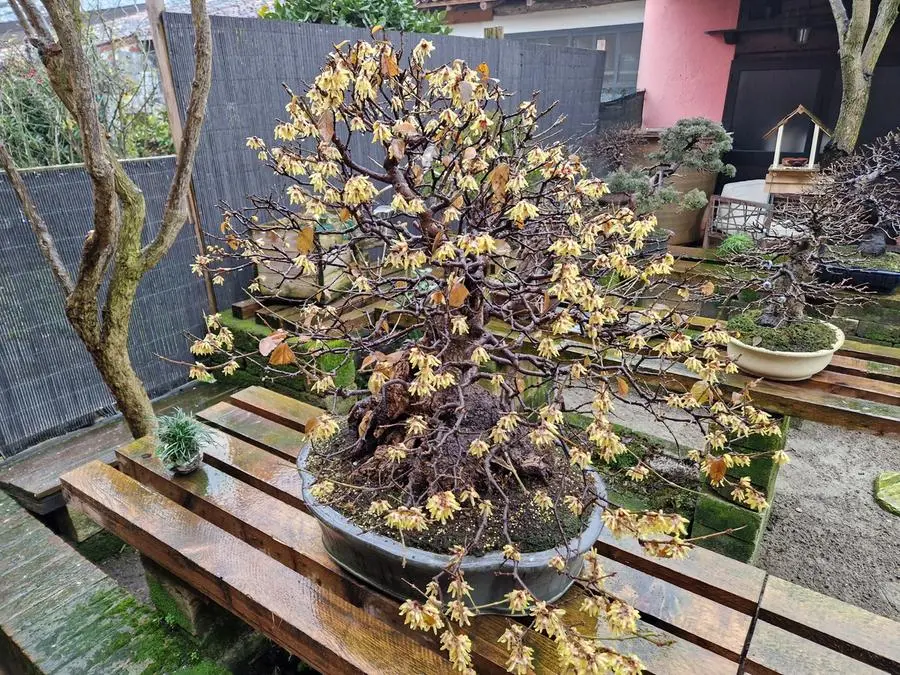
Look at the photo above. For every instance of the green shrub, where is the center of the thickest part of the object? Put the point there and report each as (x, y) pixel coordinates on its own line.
(400, 15)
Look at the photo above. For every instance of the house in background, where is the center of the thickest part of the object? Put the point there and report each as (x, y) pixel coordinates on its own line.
(745, 63)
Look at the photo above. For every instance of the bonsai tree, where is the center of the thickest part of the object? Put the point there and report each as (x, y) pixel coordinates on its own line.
(113, 250)
(180, 442)
(693, 143)
(508, 313)
(783, 265)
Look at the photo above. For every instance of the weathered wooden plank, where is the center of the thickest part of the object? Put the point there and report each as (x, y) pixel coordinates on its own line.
(705, 573)
(294, 539)
(774, 651)
(260, 468)
(246, 309)
(667, 654)
(683, 613)
(871, 352)
(843, 627)
(276, 407)
(325, 631)
(865, 388)
(873, 370)
(251, 428)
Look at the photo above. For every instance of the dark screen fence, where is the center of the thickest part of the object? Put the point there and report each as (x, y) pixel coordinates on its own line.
(253, 57)
(625, 111)
(48, 384)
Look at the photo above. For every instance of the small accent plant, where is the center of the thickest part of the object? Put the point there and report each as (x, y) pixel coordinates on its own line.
(181, 439)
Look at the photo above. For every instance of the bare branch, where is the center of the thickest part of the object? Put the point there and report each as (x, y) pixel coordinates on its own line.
(72, 80)
(884, 21)
(33, 22)
(38, 226)
(840, 16)
(175, 212)
(855, 35)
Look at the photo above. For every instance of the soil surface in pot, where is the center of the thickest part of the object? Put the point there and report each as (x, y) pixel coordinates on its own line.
(359, 483)
(890, 261)
(808, 335)
(532, 528)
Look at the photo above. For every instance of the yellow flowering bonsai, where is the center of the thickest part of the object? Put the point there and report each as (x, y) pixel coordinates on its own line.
(499, 312)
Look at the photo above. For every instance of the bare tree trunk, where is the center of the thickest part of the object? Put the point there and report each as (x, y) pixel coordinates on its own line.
(859, 55)
(854, 102)
(113, 247)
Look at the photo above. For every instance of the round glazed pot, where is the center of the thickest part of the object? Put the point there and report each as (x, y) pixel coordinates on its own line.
(391, 567)
(785, 366)
(188, 467)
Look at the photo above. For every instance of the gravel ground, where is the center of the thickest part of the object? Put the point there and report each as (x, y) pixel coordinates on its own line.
(826, 531)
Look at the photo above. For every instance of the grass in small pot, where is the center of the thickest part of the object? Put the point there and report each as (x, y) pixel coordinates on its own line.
(181, 438)
(806, 335)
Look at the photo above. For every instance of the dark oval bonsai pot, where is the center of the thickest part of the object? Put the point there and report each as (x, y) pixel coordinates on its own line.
(391, 567)
(877, 281)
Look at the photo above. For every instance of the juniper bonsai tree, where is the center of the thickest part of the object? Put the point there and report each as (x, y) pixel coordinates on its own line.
(508, 313)
(691, 143)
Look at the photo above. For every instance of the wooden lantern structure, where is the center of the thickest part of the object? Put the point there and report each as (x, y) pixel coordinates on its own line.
(792, 178)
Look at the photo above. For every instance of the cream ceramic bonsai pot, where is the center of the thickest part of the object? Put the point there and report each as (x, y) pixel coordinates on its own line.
(785, 366)
(391, 567)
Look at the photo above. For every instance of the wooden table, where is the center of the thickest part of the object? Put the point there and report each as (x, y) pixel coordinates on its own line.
(237, 531)
(859, 390)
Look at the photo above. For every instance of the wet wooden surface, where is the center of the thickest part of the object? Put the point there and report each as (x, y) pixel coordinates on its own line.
(32, 477)
(324, 630)
(247, 493)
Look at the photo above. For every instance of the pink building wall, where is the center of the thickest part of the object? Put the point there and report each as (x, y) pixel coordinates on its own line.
(683, 70)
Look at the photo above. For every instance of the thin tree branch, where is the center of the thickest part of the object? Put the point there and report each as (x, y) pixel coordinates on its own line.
(45, 240)
(855, 36)
(176, 211)
(840, 17)
(884, 21)
(36, 25)
(77, 82)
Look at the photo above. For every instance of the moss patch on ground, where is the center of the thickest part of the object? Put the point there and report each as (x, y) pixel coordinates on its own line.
(807, 335)
(101, 546)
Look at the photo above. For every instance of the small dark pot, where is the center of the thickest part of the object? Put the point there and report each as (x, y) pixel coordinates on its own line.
(187, 467)
(391, 567)
(877, 281)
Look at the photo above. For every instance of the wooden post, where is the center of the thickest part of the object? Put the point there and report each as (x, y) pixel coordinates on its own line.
(778, 146)
(815, 144)
(155, 9)
(493, 33)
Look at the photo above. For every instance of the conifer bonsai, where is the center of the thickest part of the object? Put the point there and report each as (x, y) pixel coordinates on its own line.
(506, 312)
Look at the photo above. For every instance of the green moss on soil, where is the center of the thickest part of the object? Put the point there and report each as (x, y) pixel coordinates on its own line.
(807, 335)
(101, 546)
(890, 261)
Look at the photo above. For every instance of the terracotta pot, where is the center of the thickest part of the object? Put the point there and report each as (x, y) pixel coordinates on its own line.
(784, 366)
(390, 566)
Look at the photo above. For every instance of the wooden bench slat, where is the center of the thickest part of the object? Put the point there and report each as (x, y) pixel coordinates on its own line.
(873, 370)
(251, 428)
(858, 387)
(277, 407)
(688, 615)
(846, 628)
(708, 574)
(294, 539)
(327, 632)
(262, 469)
(774, 651)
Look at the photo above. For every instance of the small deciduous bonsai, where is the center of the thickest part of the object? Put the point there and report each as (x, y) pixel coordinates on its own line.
(499, 313)
(180, 442)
